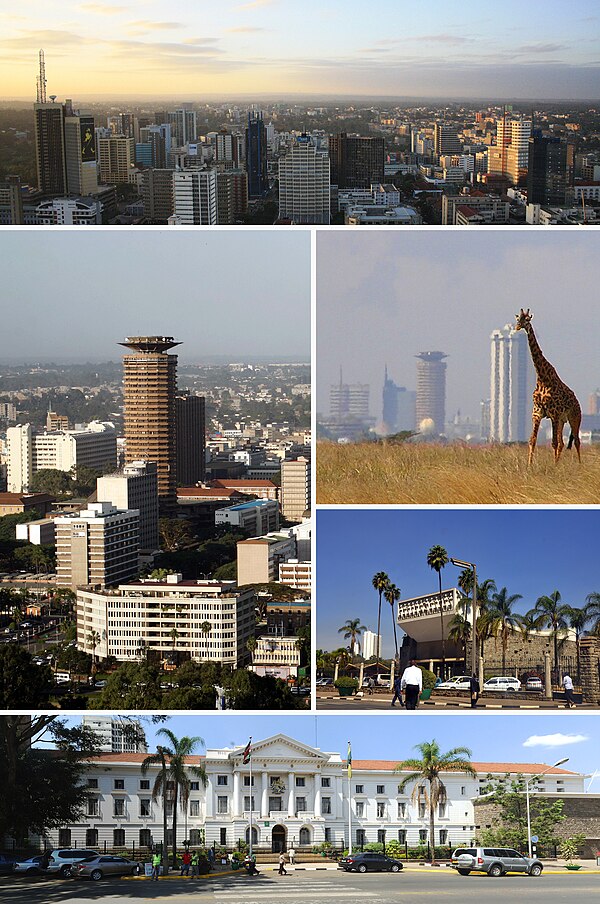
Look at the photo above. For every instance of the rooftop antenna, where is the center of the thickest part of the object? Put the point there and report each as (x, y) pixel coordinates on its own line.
(41, 80)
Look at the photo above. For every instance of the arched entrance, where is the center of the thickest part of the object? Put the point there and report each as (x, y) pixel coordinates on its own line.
(254, 835)
(278, 839)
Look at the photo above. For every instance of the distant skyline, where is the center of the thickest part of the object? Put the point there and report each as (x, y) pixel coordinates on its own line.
(75, 294)
(531, 552)
(545, 49)
(382, 299)
(527, 738)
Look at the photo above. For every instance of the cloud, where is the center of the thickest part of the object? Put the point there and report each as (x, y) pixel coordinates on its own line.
(541, 48)
(143, 26)
(554, 740)
(444, 39)
(245, 29)
(255, 4)
(101, 9)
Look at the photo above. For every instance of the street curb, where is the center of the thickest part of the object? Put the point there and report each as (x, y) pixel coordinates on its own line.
(177, 876)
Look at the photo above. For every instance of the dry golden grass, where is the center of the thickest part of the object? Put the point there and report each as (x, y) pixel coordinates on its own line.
(422, 474)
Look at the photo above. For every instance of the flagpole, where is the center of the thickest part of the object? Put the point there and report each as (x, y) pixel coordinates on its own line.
(251, 794)
(349, 799)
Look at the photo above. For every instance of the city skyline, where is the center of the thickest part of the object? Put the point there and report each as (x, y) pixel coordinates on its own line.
(541, 49)
(522, 550)
(213, 291)
(381, 300)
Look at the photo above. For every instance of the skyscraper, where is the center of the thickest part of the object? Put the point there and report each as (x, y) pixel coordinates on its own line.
(116, 158)
(431, 392)
(356, 161)
(256, 156)
(511, 384)
(398, 407)
(295, 488)
(49, 131)
(445, 139)
(349, 401)
(195, 197)
(304, 188)
(191, 441)
(184, 126)
(135, 487)
(548, 178)
(150, 387)
(511, 154)
(80, 155)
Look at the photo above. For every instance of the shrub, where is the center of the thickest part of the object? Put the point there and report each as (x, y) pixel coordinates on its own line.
(346, 681)
(429, 679)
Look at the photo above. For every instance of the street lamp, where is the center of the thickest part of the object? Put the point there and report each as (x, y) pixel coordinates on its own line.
(530, 779)
(460, 564)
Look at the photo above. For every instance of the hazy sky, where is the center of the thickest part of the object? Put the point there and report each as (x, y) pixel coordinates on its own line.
(516, 738)
(74, 294)
(529, 551)
(542, 48)
(384, 296)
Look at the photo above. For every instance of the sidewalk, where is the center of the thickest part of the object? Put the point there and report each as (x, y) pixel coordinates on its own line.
(382, 702)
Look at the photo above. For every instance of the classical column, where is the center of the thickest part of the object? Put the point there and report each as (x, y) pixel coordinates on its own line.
(209, 796)
(264, 797)
(547, 675)
(237, 810)
(291, 793)
(317, 794)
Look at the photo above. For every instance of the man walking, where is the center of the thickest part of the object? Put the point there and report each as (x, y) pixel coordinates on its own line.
(412, 684)
(282, 869)
(185, 863)
(474, 688)
(291, 855)
(156, 862)
(397, 690)
(568, 686)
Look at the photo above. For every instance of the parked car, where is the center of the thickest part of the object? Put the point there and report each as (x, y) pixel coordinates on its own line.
(369, 862)
(7, 864)
(458, 683)
(324, 682)
(494, 862)
(534, 684)
(30, 867)
(63, 860)
(96, 868)
(502, 683)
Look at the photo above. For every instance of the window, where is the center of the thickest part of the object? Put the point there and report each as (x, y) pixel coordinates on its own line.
(91, 838)
(442, 807)
(247, 803)
(443, 836)
(360, 808)
(145, 838)
(222, 780)
(325, 806)
(300, 781)
(381, 789)
(381, 836)
(360, 837)
(360, 789)
(423, 835)
(380, 809)
(327, 833)
(64, 837)
(194, 786)
(247, 781)
(194, 808)
(325, 782)
(145, 806)
(118, 837)
(223, 835)
(144, 784)
(422, 810)
(304, 836)
(92, 782)
(221, 804)
(119, 807)
(275, 805)
(119, 784)
(300, 805)
(402, 836)
(93, 807)
(463, 790)
(195, 837)
(401, 809)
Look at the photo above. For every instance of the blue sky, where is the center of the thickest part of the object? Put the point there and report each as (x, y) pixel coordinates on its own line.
(542, 48)
(529, 551)
(219, 292)
(384, 298)
(491, 738)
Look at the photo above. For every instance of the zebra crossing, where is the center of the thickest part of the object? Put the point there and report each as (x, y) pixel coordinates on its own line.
(290, 890)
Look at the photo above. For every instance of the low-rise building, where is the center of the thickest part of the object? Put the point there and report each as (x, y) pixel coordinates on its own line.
(296, 574)
(276, 656)
(258, 516)
(258, 558)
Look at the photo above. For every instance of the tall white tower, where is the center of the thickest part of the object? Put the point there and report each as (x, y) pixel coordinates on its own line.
(512, 380)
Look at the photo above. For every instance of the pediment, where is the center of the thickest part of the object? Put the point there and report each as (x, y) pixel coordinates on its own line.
(281, 747)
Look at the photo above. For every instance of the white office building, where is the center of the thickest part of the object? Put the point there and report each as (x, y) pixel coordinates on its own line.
(117, 734)
(512, 381)
(97, 546)
(259, 516)
(135, 487)
(195, 197)
(370, 644)
(304, 184)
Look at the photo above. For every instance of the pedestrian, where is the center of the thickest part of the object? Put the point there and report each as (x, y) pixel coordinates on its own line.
(475, 689)
(156, 863)
(291, 855)
(397, 690)
(185, 863)
(282, 869)
(568, 686)
(211, 857)
(412, 684)
(195, 865)
(250, 865)
(370, 685)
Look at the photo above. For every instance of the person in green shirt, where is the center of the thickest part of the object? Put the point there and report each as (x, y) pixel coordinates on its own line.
(156, 863)
(195, 865)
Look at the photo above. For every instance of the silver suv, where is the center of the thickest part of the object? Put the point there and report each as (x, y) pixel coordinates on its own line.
(61, 861)
(494, 862)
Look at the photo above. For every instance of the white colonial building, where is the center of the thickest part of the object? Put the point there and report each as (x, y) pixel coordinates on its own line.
(298, 796)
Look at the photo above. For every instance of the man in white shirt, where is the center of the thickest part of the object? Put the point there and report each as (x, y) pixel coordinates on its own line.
(412, 684)
(568, 686)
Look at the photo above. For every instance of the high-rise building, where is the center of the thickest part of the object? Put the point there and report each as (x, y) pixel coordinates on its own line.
(256, 156)
(371, 643)
(117, 734)
(184, 126)
(510, 155)
(548, 177)
(49, 132)
(157, 194)
(357, 161)
(295, 488)
(229, 149)
(191, 439)
(80, 155)
(149, 389)
(511, 384)
(116, 159)
(431, 392)
(195, 197)
(399, 407)
(232, 196)
(304, 189)
(98, 545)
(445, 139)
(135, 487)
(349, 401)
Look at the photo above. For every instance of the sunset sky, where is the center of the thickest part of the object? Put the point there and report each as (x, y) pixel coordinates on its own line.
(195, 48)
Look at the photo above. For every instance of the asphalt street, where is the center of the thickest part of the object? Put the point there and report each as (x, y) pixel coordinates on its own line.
(381, 702)
(302, 886)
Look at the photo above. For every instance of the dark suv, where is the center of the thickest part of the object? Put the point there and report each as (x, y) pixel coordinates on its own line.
(494, 862)
(369, 862)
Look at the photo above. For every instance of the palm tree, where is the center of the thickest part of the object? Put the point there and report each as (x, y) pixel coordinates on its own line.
(504, 620)
(160, 790)
(459, 632)
(251, 646)
(352, 630)
(178, 774)
(380, 583)
(578, 619)
(392, 595)
(553, 614)
(94, 639)
(174, 634)
(592, 606)
(437, 558)
(428, 769)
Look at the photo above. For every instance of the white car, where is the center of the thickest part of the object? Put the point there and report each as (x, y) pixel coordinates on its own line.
(458, 683)
(502, 683)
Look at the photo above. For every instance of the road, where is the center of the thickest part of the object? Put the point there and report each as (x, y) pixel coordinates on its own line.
(332, 886)
(381, 702)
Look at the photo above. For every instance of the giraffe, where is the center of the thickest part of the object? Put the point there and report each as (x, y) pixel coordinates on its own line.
(551, 397)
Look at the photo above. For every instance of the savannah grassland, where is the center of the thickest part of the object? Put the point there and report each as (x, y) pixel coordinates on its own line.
(422, 474)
